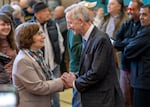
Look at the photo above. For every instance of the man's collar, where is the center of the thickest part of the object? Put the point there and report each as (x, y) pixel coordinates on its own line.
(87, 34)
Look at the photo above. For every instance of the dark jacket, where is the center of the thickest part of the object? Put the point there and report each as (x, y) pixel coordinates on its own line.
(138, 52)
(53, 35)
(127, 30)
(97, 79)
(4, 77)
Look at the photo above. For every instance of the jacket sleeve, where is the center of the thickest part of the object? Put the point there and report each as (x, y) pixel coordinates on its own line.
(119, 42)
(97, 65)
(137, 46)
(28, 76)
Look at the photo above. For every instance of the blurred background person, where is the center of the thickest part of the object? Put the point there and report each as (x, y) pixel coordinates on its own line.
(99, 15)
(28, 11)
(59, 16)
(18, 17)
(127, 31)
(7, 43)
(32, 77)
(138, 52)
(112, 22)
(23, 4)
(8, 10)
(14, 2)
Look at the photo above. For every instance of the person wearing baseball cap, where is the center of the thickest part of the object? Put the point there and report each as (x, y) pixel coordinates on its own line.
(90, 6)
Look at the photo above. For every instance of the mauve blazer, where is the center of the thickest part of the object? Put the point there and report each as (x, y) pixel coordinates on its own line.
(33, 88)
(97, 79)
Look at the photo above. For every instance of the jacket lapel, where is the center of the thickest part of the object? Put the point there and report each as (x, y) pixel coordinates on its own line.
(35, 64)
(86, 48)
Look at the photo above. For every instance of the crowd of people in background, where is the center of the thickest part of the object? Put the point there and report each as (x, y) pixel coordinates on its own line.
(104, 57)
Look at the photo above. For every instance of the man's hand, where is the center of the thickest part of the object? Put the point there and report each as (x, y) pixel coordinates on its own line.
(68, 79)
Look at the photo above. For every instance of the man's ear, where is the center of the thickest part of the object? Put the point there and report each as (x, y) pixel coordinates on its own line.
(81, 21)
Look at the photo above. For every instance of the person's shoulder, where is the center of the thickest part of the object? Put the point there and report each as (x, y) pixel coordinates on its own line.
(32, 20)
(145, 30)
(99, 34)
(127, 23)
(106, 17)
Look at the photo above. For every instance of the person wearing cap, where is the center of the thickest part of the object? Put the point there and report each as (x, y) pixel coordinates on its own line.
(54, 47)
(90, 6)
(8, 10)
(28, 11)
(96, 79)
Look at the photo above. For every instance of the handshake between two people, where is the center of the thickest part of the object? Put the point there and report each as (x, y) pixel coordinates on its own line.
(68, 79)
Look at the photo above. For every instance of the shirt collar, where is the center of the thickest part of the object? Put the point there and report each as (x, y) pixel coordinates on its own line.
(87, 34)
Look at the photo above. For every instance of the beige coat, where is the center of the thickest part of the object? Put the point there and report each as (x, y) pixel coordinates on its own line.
(30, 81)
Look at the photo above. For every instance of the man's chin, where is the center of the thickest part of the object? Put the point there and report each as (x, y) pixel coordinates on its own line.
(75, 33)
(130, 17)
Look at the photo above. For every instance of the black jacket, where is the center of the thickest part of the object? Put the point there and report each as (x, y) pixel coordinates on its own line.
(4, 77)
(128, 30)
(97, 79)
(138, 52)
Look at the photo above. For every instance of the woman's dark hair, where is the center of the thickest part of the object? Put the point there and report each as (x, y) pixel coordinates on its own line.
(146, 6)
(122, 5)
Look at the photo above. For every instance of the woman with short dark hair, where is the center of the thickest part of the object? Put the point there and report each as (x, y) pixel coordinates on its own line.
(32, 77)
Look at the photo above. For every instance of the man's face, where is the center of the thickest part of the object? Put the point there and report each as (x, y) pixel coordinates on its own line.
(43, 15)
(133, 10)
(145, 16)
(74, 24)
(59, 12)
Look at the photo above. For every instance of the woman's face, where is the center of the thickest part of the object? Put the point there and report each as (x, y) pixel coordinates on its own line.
(113, 7)
(5, 29)
(38, 41)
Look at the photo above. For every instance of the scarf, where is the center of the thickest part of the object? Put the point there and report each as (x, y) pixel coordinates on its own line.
(38, 56)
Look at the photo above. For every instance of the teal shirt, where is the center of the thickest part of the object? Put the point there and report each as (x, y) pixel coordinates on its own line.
(74, 49)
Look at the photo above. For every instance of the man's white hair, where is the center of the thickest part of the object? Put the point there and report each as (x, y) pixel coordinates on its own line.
(79, 12)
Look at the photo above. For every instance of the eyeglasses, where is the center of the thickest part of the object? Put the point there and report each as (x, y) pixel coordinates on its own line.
(5, 24)
(130, 9)
(39, 33)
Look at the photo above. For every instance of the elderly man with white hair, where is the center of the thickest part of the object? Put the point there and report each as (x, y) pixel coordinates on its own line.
(96, 79)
